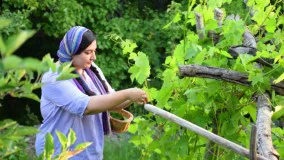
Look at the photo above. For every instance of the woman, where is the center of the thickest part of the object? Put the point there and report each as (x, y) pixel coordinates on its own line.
(81, 103)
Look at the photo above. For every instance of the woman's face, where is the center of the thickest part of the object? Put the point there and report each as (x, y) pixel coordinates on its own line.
(86, 57)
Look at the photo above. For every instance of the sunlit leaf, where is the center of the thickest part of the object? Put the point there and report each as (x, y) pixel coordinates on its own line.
(83, 146)
(63, 140)
(50, 62)
(14, 42)
(279, 112)
(30, 96)
(279, 79)
(49, 146)
(141, 69)
(71, 137)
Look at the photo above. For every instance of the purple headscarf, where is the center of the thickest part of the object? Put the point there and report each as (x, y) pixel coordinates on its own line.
(70, 43)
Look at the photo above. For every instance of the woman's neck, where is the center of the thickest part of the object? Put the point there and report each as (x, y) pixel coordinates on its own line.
(81, 72)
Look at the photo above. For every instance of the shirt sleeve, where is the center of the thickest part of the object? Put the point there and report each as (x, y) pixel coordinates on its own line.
(66, 95)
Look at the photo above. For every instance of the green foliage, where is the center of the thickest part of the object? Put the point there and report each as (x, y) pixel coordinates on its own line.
(17, 80)
(217, 106)
(66, 143)
(13, 140)
(235, 28)
(118, 147)
(130, 20)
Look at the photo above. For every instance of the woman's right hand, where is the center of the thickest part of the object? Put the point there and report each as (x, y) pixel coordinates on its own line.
(137, 96)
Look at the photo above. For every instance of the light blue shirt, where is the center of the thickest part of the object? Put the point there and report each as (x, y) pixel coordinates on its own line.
(62, 107)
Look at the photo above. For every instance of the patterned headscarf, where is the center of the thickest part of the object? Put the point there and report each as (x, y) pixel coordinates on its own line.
(70, 43)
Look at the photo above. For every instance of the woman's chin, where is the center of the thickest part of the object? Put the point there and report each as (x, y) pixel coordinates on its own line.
(88, 65)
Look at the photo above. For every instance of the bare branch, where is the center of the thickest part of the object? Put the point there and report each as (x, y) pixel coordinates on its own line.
(223, 74)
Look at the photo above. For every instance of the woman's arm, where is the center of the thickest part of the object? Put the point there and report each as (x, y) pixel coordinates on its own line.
(107, 102)
(122, 105)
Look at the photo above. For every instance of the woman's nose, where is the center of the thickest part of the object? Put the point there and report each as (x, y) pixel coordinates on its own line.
(94, 56)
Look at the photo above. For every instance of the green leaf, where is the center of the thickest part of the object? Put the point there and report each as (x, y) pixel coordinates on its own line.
(258, 17)
(71, 137)
(63, 140)
(200, 57)
(280, 20)
(128, 46)
(25, 130)
(279, 112)
(133, 128)
(33, 64)
(226, 54)
(251, 110)
(177, 17)
(270, 25)
(19, 74)
(65, 76)
(232, 32)
(141, 69)
(279, 79)
(7, 123)
(163, 95)
(14, 42)
(256, 78)
(12, 62)
(30, 96)
(132, 55)
(49, 146)
(82, 146)
(211, 24)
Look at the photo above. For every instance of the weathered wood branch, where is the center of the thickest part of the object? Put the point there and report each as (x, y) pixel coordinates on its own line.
(200, 25)
(223, 74)
(218, 15)
(201, 131)
(237, 50)
(263, 122)
(252, 148)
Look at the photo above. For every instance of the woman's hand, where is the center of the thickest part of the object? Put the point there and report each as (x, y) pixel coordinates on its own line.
(137, 96)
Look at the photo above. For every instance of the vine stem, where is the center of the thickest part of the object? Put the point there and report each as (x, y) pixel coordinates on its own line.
(273, 6)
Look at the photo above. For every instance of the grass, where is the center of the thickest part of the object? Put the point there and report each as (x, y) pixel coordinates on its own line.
(118, 147)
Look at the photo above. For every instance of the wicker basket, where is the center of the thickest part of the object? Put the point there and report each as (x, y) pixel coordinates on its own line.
(120, 126)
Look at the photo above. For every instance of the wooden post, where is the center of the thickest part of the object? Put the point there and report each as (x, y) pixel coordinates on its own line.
(263, 122)
(252, 149)
(200, 25)
(201, 131)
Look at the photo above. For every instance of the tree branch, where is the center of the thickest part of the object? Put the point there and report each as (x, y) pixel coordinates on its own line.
(223, 74)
